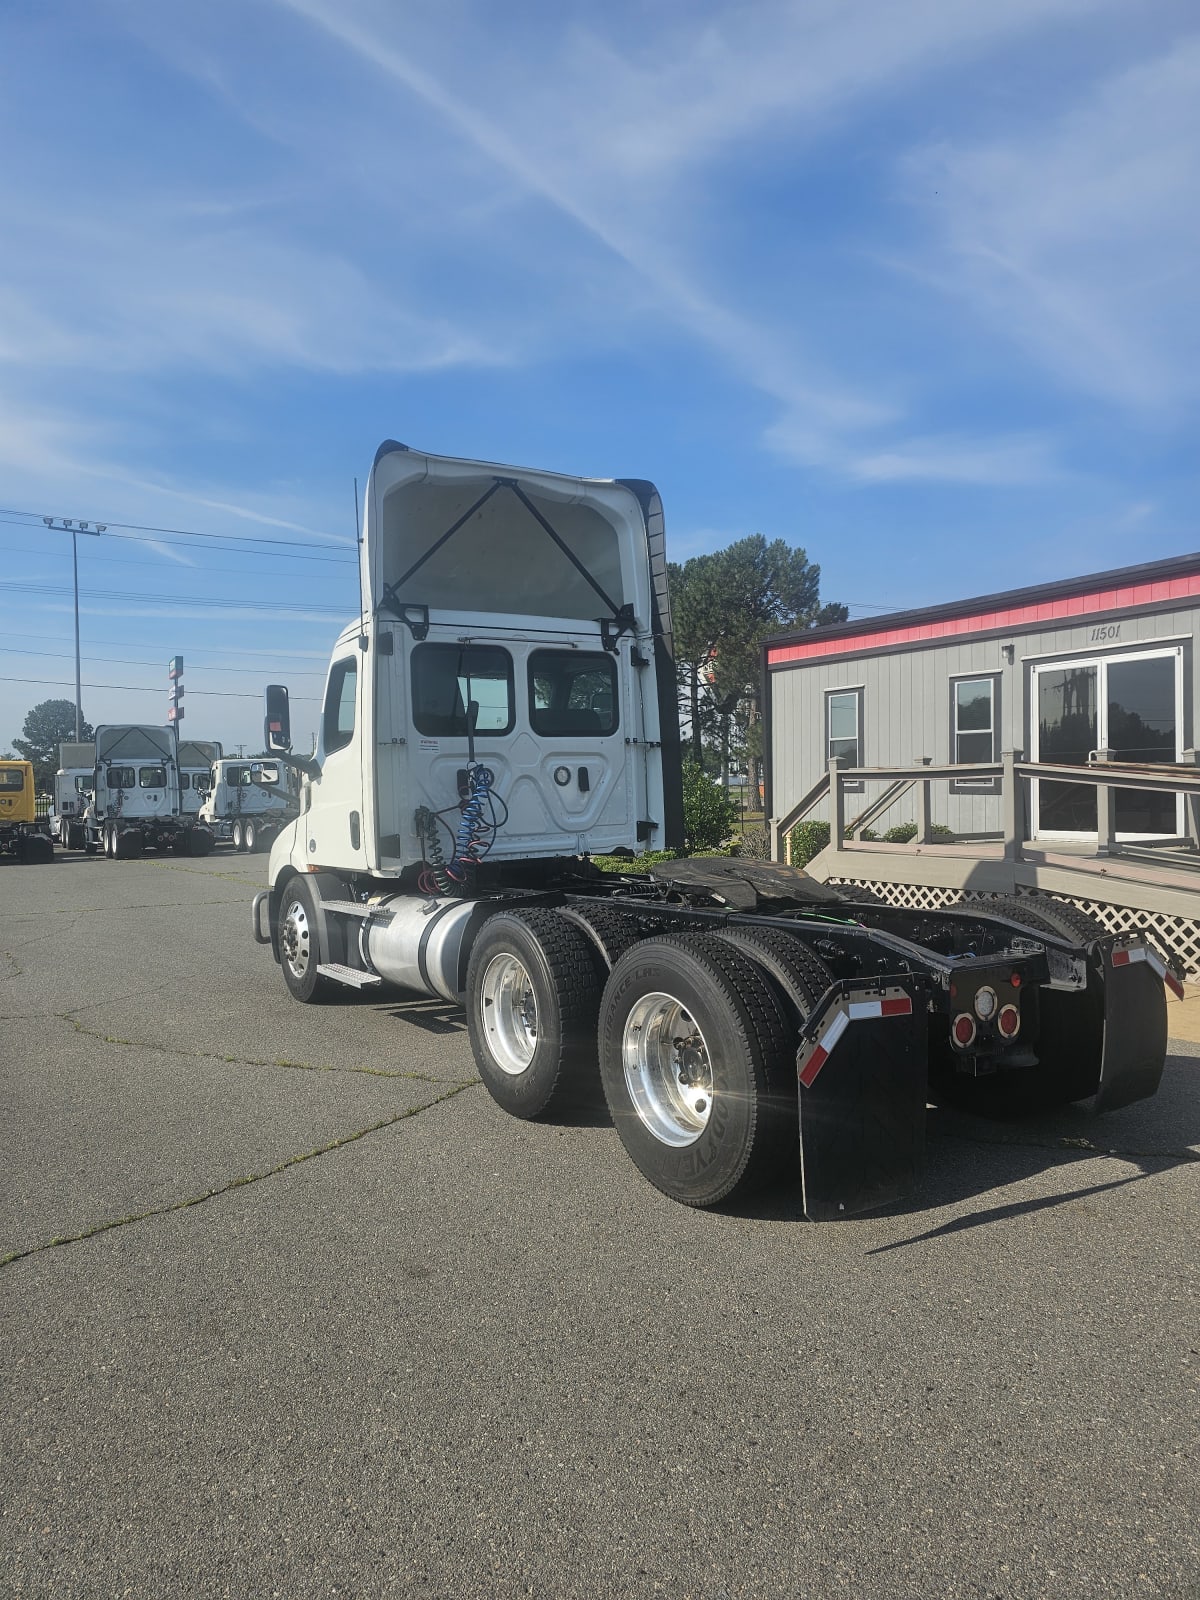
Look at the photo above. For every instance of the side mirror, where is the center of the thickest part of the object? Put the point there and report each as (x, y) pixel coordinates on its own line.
(277, 726)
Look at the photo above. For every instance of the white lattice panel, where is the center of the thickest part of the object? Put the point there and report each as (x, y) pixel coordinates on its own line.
(1179, 936)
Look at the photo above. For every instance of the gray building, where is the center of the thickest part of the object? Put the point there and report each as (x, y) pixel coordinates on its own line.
(1056, 672)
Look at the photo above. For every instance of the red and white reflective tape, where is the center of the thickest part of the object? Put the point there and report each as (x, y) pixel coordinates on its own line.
(1128, 954)
(855, 1011)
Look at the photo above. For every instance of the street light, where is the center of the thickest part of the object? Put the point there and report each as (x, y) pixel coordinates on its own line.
(70, 526)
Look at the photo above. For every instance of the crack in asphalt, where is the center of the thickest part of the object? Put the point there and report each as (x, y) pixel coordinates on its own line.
(244, 1061)
(234, 1183)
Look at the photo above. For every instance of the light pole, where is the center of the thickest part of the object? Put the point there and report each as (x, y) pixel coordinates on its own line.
(69, 525)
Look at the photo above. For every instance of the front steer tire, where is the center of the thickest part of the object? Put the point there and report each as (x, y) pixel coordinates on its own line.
(300, 952)
(533, 994)
(697, 1059)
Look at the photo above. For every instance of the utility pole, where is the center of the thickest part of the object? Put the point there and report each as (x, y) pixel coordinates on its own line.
(69, 525)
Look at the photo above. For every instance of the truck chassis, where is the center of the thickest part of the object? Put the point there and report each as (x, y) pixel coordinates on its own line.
(733, 1013)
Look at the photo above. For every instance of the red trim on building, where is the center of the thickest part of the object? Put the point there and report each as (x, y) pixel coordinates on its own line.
(1033, 613)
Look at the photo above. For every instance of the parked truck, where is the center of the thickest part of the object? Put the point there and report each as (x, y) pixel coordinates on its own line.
(503, 709)
(238, 808)
(72, 785)
(134, 802)
(23, 833)
(195, 758)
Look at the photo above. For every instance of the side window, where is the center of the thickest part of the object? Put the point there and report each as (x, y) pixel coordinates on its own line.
(974, 729)
(338, 725)
(843, 730)
(447, 677)
(185, 781)
(572, 692)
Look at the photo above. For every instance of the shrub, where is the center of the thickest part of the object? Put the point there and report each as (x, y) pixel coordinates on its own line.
(709, 815)
(754, 844)
(807, 841)
(901, 833)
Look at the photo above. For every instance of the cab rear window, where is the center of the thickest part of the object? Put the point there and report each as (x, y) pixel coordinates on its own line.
(572, 692)
(152, 777)
(11, 778)
(121, 778)
(447, 677)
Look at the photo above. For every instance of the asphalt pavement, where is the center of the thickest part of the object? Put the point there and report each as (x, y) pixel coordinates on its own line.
(290, 1308)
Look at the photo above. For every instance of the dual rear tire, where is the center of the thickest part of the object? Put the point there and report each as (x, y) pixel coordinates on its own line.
(690, 1040)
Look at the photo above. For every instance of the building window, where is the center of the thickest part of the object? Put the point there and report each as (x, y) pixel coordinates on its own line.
(974, 724)
(339, 708)
(843, 731)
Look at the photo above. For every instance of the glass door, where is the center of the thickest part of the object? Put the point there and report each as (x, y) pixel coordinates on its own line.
(1130, 705)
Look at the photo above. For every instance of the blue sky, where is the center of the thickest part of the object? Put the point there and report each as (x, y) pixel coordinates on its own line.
(909, 283)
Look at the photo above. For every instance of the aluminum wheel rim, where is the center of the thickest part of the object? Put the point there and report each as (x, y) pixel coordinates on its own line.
(668, 1070)
(508, 1012)
(296, 940)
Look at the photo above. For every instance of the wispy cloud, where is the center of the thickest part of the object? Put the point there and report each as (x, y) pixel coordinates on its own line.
(1077, 239)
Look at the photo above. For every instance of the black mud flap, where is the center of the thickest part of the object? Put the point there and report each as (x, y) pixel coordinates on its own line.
(863, 1086)
(1135, 1028)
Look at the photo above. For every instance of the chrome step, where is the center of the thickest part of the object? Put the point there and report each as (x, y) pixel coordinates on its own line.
(358, 908)
(353, 977)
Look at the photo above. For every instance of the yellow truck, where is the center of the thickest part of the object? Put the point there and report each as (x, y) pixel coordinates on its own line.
(22, 831)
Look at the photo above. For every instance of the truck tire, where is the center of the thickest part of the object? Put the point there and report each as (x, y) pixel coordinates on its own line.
(697, 1059)
(612, 932)
(235, 835)
(250, 837)
(197, 842)
(300, 952)
(796, 969)
(109, 838)
(533, 995)
(34, 849)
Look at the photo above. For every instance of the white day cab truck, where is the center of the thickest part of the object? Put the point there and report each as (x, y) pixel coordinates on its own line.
(239, 809)
(195, 758)
(502, 709)
(134, 803)
(72, 785)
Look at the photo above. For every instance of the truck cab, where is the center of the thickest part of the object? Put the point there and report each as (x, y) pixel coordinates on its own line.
(21, 831)
(195, 758)
(514, 635)
(238, 808)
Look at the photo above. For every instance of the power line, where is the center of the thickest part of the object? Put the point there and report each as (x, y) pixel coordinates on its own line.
(131, 661)
(26, 586)
(232, 539)
(196, 650)
(34, 517)
(138, 688)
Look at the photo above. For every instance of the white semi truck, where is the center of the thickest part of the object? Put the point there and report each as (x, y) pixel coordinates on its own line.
(195, 759)
(72, 785)
(134, 803)
(503, 708)
(239, 809)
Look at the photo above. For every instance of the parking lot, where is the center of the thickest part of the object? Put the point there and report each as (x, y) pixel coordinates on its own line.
(290, 1308)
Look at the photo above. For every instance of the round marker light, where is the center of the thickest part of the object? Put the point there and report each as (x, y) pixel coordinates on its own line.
(1009, 1021)
(985, 1003)
(963, 1029)
(1015, 980)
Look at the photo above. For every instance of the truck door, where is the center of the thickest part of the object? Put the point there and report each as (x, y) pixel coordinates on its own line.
(554, 715)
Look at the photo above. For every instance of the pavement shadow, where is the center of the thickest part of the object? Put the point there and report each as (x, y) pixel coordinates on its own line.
(968, 1157)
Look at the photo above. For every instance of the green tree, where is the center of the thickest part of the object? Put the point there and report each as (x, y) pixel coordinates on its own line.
(723, 606)
(46, 727)
(709, 815)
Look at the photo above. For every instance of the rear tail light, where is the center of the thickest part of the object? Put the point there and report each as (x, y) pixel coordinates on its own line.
(1009, 1021)
(985, 1003)
(963, 1029)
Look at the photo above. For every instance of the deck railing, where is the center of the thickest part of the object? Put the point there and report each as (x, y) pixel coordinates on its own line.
(1013, 775)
